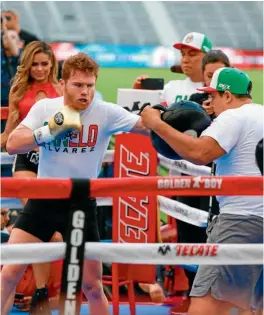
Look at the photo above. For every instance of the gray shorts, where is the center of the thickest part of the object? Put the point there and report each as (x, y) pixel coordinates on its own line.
(240, 285)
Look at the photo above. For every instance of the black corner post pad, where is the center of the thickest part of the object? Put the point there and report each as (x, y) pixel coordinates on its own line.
(81, 189)
(72, 271)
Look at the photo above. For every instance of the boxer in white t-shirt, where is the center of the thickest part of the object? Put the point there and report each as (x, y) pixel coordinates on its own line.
(231, 142)
(73, 133)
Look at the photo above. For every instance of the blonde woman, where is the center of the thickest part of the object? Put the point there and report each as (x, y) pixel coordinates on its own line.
(36, 78)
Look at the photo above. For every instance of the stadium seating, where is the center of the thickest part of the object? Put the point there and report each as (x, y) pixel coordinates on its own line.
(233, 24)
(236, 24)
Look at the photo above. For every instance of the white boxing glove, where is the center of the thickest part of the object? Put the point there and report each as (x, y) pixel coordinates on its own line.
(63, 122)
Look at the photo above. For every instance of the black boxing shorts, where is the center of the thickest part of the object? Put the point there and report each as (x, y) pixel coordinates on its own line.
(43, 217)
(26, 162)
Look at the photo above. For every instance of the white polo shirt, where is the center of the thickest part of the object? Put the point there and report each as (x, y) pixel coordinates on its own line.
(82, 155)
(238, 131)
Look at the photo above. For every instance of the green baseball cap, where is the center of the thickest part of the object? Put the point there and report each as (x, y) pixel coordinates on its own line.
(231, 79)
(195, 41)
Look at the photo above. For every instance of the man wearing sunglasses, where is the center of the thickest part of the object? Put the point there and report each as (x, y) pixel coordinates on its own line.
(12, 23)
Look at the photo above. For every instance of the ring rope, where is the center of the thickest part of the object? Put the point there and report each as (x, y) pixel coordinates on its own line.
(181, 211)
(184, 167)
(37, 188)
(132, 253)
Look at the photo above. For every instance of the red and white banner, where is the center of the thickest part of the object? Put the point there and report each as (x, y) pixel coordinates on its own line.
(244, 59)
(134, 217)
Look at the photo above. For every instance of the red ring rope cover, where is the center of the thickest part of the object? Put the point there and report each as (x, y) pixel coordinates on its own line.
(136, 186)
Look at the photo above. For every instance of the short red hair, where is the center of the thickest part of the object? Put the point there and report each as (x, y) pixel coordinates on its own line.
(80, 62)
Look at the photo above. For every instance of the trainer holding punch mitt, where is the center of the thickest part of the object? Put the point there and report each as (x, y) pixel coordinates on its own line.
(185, 116)
(233, 142)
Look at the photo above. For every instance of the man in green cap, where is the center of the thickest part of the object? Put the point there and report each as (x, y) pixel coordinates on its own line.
(230, 141)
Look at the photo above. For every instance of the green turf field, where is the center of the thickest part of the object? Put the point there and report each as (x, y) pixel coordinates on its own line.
(112, 78)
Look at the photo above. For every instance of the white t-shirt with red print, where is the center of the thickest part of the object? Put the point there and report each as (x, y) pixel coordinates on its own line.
(238, 131)
(81, 155)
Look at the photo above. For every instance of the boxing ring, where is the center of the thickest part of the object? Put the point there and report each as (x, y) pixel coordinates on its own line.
(105, 190)
(167, 253)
